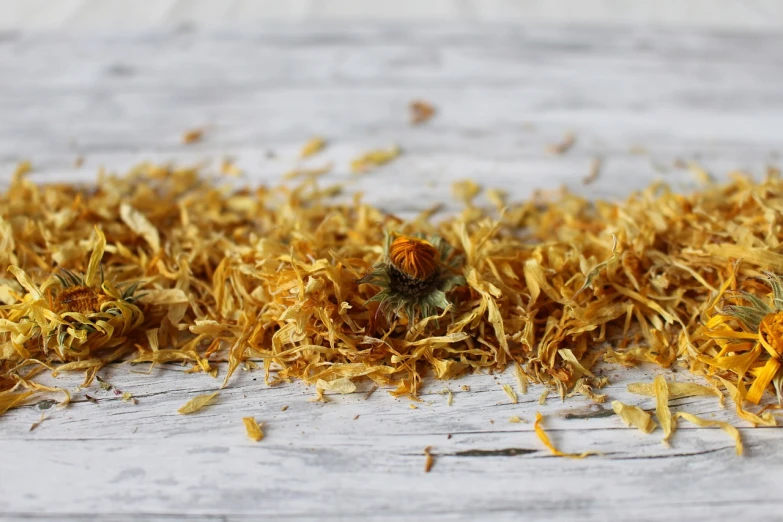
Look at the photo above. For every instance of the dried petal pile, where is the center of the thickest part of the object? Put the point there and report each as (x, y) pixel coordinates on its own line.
(273, 275)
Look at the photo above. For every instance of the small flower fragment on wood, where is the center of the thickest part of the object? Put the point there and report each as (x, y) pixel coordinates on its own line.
(595, 169)
(253, 429)
(374, 158)
(564, 146)
(192, 136)
(429, 461)
(634, 416)
(313, 146)
(706, 423)
(196, 403)
(510, 392)
(544, 438)
(421, 111)
(662, 411)
(37, 423)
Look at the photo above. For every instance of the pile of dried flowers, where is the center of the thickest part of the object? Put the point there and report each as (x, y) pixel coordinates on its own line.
(165, 265)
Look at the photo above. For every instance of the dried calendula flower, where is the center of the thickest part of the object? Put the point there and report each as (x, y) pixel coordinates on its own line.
(415, 276)
(73, 316)
(751, 337)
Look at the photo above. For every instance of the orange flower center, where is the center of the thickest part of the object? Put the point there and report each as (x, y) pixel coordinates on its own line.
(80, 299)
(415, 257)
(771, 331)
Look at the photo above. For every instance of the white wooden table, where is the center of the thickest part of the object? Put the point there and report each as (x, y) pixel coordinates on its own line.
(638, 99)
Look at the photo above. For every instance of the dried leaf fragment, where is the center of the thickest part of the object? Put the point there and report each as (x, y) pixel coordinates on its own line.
(253, 429)
(196, 403)
(634, 416)
(370, 392)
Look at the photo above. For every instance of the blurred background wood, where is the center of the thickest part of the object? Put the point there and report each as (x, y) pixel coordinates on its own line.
(114, 14)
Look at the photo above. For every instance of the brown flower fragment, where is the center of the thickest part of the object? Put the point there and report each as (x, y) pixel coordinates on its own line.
(595, 170)
(421, 111)
(563, 146)
(429, 461)
(192, 136)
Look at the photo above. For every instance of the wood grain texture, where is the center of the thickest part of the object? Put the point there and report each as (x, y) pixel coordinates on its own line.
(503, 94)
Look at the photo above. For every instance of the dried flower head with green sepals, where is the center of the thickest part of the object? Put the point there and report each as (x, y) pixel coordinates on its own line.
(85, 314)
(760, 332)
(415, 276)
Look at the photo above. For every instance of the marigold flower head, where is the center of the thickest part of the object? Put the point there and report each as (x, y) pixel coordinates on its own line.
(762, 325)
(414, 276)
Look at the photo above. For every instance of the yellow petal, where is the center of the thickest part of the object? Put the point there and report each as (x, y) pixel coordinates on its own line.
(544, 438)
(662, 407)
(521, 378)
(511, 394)
(737, 393)
(677, 390)
(634, 416)
(762, 380)
(139, 224)
(12, 400)
(313, 146)
(253, 428)
(341, 385)
(90, 277)
(196, 403)
(704, 423)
